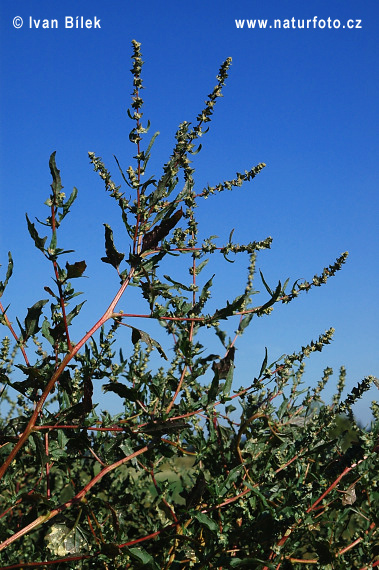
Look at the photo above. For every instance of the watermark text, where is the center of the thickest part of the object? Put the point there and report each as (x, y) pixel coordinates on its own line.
(68, 22)
(300, 24)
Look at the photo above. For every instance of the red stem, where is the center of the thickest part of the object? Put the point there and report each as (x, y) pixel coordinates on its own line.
(48, 491)
(78, 497)
(107, 315)
(287, 534)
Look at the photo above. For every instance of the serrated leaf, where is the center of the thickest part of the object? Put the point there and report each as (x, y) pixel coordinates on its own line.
(55, 173)
(34, 381)
(31, 319)
(39, 242)
(113, 257)
(67, 205)
(196, 309)
(209, 358)
(178, 286)
(221, 335)
(151, 262)
(130, 394)
(45, 329)
(75, 269)
(230, 308)
(160, 190)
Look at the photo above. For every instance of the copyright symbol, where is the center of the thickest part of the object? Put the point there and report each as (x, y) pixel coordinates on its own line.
(17, 22)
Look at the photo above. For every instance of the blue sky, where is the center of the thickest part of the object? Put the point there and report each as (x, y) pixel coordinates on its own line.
(304, 101)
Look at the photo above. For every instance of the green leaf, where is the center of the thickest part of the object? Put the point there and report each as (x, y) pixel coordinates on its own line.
(178, 286)
(140, 555)
(213, 390)
(34, 381)
(53, 244)
(231, 478)
(164, 212)
(120, 169)
(264, 364)
(204, 296)
(201, 266)
(113, 257)
(250, 563)
(285, 285)
(163, 426)
(31, 320)
(8, 274)
(206, 521)
(151, 262)
(147, 153)
(39, 242)
(75, 311)
(274, 298)
(228, 381)
(46, 332)
(221, 335)
(55, 173)
(76, 269)
(265, 284)
(230, 308)
(127, 449)
(67, 205)
(245, 322)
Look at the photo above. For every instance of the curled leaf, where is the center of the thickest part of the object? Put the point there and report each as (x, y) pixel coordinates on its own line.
(138, 335)
(31, 319)
(113, 256)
